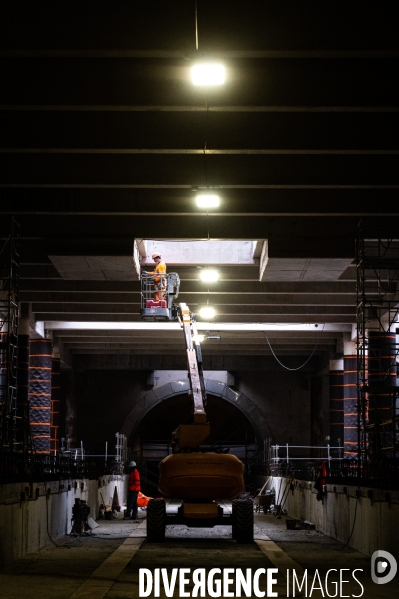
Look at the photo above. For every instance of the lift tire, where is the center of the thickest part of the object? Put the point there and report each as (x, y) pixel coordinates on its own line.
(156, 520)
(243, 521)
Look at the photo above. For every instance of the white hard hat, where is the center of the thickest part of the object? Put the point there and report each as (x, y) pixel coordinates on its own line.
(132, 465)
(156, 255)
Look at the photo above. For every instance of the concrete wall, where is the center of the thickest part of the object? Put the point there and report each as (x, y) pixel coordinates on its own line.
(284, 400)
(373, 514)
(100, 401)
(28, 514)
(290, 406)
(161, 377)
(97, 404)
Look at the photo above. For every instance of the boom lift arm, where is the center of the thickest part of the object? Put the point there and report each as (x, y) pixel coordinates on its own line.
(198, 477)
(189, 436)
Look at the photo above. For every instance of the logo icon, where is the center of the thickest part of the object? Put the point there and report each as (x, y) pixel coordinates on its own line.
(383, 567)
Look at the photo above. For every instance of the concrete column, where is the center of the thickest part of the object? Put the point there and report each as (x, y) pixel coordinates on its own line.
(350, 407)
(71, 409)
(336, 404)
(317, 411)
(23, 378)
(55, 402)
(3, 368)
(40, 367)
(382, 396)
(381, 365)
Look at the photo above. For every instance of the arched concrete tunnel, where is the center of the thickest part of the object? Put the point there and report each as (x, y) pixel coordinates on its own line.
(231, 428)
(170, 405)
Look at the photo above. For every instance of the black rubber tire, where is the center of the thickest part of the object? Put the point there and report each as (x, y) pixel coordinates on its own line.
(243, 521)
(156, 520)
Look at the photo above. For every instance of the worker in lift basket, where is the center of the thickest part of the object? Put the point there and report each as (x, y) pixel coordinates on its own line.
(159, 274)
(133, 489)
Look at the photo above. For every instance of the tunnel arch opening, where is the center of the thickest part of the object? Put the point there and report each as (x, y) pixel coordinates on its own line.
(151, 422)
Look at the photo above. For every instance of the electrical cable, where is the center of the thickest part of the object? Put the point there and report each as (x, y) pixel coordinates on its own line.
(354, 518)
(67, 543)
(353, 526)
(45, 490)
(47, 518)
(33, 453)
(196, 26)
(302, 365)
(205, 142)
(47, 523)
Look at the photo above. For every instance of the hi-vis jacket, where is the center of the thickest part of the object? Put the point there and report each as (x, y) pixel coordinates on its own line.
(159, 269)
(134, 481)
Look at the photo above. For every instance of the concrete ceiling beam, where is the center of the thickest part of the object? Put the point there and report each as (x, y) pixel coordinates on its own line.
(339, 321)
(161, 336)
(224, 341)
(275, 201)
(287, 351)
(148, 131)
(238, 309)
(163, 169)
(132, 288)
(155, 77)
(195, 299)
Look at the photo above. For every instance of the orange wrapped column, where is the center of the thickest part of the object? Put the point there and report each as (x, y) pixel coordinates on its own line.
(55, 405)
(336, 408)
(23, 383)
(381, 376)
(40, 368)
(350, 407)
(3, 371)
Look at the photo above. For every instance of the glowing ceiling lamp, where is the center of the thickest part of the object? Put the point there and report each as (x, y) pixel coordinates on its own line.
(207, 312)
(204, 200)
(209, 275)
(208, 74)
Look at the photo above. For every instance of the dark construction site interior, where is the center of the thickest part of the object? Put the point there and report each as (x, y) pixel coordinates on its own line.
(272, 193)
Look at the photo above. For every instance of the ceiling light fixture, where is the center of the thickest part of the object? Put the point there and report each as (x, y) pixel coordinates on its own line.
(209, 336)
(207, 312)
(207, 200)
(175, 326)
(208, 74)
(209, 275)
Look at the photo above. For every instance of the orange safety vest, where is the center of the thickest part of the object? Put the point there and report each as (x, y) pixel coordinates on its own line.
(142, 500)
(159, 269)
(134, 481)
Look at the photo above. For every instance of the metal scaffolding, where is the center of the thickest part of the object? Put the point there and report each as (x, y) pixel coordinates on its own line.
(9, 318)
(377, 261)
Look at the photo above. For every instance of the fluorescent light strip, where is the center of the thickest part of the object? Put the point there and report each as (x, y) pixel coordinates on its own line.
(206, 326)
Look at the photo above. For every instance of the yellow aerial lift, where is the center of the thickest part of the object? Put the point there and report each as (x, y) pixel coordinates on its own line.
(198, 478)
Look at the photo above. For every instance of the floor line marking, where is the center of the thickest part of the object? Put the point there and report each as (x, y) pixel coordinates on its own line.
(102, 579)
(278, 557)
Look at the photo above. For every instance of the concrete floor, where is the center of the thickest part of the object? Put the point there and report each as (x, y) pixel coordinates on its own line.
(106, 562)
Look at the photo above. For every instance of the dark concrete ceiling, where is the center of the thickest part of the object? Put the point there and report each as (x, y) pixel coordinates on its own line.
(104, 139)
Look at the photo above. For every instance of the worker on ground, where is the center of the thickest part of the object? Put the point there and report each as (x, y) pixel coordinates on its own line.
(159, 274)
(133, 489)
